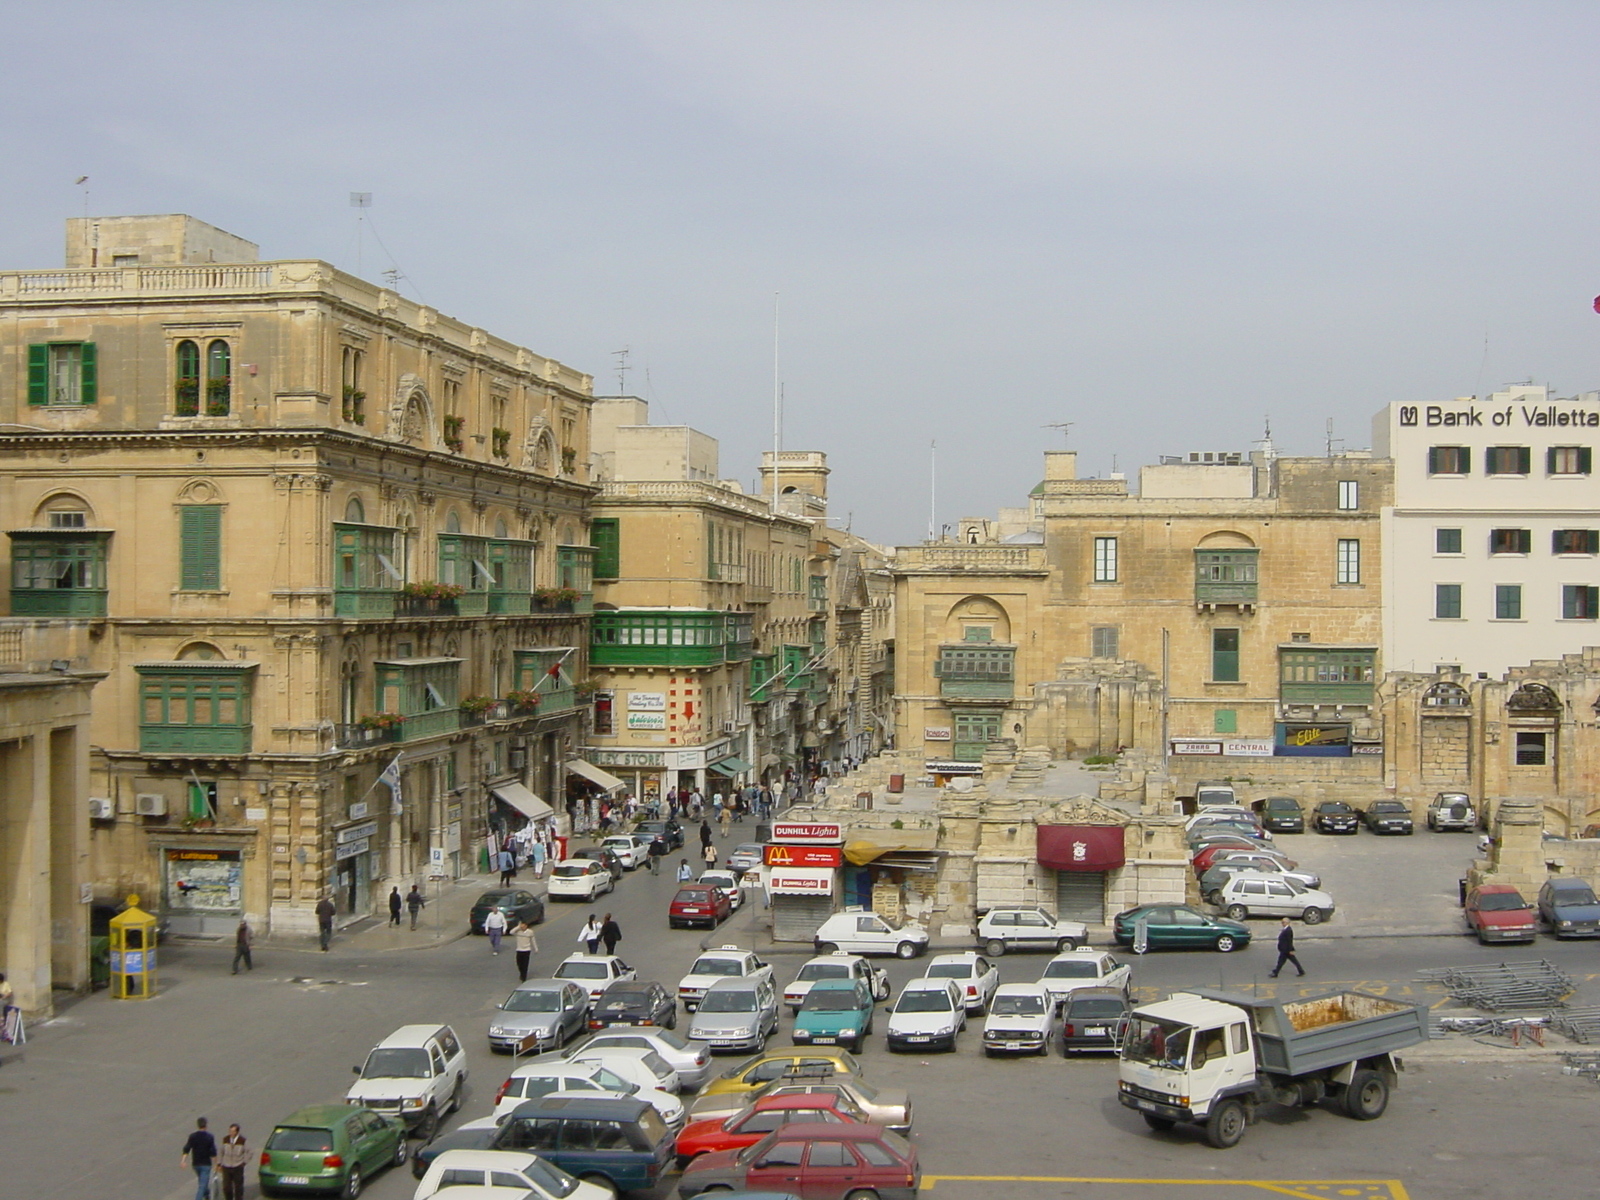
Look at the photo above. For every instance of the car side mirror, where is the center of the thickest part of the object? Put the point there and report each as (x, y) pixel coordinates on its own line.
(356, 1070)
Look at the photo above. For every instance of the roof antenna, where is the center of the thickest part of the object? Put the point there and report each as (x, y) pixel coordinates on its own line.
(1064, 426)
(622, 370)
(359, 201)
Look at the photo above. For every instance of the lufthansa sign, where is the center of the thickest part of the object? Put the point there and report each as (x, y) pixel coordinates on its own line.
(816, 833)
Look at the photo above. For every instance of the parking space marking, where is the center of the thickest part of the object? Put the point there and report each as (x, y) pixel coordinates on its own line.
(1301, 1189)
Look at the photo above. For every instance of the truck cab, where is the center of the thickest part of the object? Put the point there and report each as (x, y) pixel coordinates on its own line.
(1182, 1055)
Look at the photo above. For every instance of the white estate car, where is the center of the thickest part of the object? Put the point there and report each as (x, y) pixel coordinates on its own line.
(692, 1063)
(973, 974)
(928, 1015)
(1253, 895)
(837, 965)
(1028, 927)
(860, 931)
(1066, 973)
(620, 1077)
(596, 972)
(579, 879)
(1022, 1020)
(725, 962)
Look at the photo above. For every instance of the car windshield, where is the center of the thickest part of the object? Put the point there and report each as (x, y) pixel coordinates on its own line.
(1573, 895)
(690, 896)
(1069, 968)
(1500, 902)
(1158, 1043)
(493, 899)
(813, 971)
(1388, 806)
(950, 971)
(292, 1137)
(552, 1179)
(923, 1000)
(540, 1000)
(1097, 1008)
(830, 1000)
(1017, 1006)
(717, 966)
(1334, 806)
(570, 870)
(583, 970)
(732, 1001)
(407, 1063)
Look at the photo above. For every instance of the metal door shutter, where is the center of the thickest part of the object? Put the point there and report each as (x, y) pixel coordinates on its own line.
(1081, 896)
(797, 918)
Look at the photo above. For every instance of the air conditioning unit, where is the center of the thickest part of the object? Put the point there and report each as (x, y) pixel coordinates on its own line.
(150, 804)
(101, 809)
(730, 727)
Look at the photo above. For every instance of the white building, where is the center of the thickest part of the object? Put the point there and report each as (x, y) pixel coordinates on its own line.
(1492, 547)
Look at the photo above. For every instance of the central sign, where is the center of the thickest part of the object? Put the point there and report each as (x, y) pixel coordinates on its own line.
(808, 832)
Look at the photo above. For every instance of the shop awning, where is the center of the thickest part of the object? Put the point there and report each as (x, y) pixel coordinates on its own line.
(594, 774)
(731, 766)
(1080, 847)
(894, 854)
(521, 799)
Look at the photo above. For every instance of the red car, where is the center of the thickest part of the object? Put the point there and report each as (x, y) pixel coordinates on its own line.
(698, 904)
(1215, 850)
(818, 1162)
(1496, 912)
(761, 1118)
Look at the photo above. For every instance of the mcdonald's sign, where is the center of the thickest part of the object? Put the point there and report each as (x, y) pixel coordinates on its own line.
(804, 856)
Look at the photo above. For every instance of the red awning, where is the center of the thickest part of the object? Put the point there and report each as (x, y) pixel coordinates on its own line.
(1081, 847)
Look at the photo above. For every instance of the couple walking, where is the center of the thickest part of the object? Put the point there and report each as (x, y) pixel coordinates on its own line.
(202, 1154)
(595, 931)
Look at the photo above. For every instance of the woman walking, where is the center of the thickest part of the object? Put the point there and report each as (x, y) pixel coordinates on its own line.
(610, 933)
(589, 935)
(526, 944)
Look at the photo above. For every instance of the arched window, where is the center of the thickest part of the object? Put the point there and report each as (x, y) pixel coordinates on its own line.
(452, 523)
(219, 379)
(354, 512)
(186, 379)
(1446, 694)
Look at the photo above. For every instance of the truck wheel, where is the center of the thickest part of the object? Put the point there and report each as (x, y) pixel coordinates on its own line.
(1367, 1096)
(1226, 944)
(1214, 896)
(1226, 1124)
(1312, 916)
(1237, 912)
(1159, 1124)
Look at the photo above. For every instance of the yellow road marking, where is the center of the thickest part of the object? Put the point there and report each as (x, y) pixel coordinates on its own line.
(1395, 1190)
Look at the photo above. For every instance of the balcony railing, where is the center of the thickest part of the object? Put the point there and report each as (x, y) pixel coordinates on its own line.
(365, 602)
(194, 739)
(430, 724)
(353, 737)
(510, 604)
(963, 557)
(976, 689)
(58, 602)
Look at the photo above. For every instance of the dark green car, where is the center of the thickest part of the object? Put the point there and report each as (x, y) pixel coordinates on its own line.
(330, 1148)
(835, 1012)
(1179, 927)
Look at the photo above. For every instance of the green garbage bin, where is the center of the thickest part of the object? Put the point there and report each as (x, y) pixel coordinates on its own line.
(99, 962)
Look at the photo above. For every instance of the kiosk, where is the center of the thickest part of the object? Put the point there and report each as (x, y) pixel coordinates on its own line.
(133, 953)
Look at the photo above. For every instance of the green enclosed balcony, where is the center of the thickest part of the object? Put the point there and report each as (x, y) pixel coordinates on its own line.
(765, 679)
(1225, 578)
(970, 673)
(1326, 674)
(58, 572)
(422, 692)
(195, 707)
(544, 671)
(740, 635)
(366, 581)
(511, 588)
(661, 638)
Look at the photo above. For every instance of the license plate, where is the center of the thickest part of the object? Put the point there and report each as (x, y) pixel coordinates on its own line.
(723, 1041)
(691, 911)
(1147, 1105)
(824, 1040)
(294, 1179)
(1096, 1031)
(921, 1037)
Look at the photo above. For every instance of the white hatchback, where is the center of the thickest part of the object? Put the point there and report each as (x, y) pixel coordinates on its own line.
(631, 849)
(1067, 973)
(579, 879)
(929, 1014)
(1022, 1020)
(862, 932)
(974, 975)
(596, 972)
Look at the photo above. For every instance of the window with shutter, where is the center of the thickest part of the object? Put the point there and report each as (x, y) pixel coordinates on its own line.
(1449, 460)
(1568, 460)
(605, 535)
(62, 373)
(1575, 541)
(200, 542)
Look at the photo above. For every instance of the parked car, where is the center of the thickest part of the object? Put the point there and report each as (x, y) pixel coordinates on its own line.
(631, 849)
(818, 1162)
(736, 1014)
(973, 974)
(1246, 818)
(725, 881)
(1281, 814)
(579, 879)
(1202, 854)
(1028, 927)
(629, 1002)
(1452, 810)
(1569, 907)
(725, 962)
(1211, 831)
(1206, 858)
(929, 1014)
(1225, 869)
(517, 904)
(502, 1174)
(890, 1107)
(1335, 816)
(596, 972)
(762, 1069)
(835, 1012)
(544, 1078)
(863, 932)
(1094, 1019)
(746, 856)
(1496, 912)
(602, 854)
(329, 1148)
(416, 1075)
(1021, 1020)
(837, 965)
(1252, 895)
(761, 1118)
(1178, 927)
(646, 1070)
(1387, 816)
(540, 1015)
(1209, 792)
(1066, 973)
(692, 1063)
(671, 830)
(698, 904)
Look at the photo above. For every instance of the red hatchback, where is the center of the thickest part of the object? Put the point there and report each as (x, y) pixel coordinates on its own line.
(762, 1118)
(815, 1162)
(698, 904)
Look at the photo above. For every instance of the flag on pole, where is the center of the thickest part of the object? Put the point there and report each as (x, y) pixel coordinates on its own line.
(391, 779)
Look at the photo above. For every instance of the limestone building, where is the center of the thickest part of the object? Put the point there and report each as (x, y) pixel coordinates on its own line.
(314, 530)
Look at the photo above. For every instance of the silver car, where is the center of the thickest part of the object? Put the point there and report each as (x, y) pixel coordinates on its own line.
(540, 1015)
(736, 1014)
(692, 1063)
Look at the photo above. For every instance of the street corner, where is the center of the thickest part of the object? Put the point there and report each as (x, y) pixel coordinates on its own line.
(978, 1187)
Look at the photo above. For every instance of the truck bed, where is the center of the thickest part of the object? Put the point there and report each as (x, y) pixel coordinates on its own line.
(1298, 1037)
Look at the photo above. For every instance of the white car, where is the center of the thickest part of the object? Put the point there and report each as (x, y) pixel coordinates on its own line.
(1252, 895)
(860, 931)
(502, 1173)
(929, 1014)
(579, 879)
(638, 1063)
(1066, 973)
(415, 1075)
(974, 975)
(1222, 813)
(725, 962)
(1028, 927)
(617, 1077)
(596, 972)
(726, 882)
(1022, 1020)
(837, 965)
(631, 849)
(692, 1063)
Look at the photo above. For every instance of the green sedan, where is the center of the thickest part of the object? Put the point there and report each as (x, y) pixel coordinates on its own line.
(1179, 927)
(330, 1148)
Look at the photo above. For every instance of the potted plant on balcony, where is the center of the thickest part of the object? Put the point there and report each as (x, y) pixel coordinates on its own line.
(523, 699)
(453, 437)
(560, 599)
(187, 397)
(430, 596)
(381, 722)
(219, 396)
(476, 706)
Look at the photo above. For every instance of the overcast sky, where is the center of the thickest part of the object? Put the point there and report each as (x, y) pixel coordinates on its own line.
(1160, 221)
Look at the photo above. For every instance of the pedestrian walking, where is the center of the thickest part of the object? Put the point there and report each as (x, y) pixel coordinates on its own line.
(199, 1153)
(494, 924)
(232, 1158)
(656, 852)
(726, 818)
(325, 912)
(610, 933)
(709, 853)
(684, 873)
(526, 944)
(415, 903)
(589, 935)
(1286, 949)
(395, 905)
(508, 868)
(241, 947)
(705, 833)
(538, 860)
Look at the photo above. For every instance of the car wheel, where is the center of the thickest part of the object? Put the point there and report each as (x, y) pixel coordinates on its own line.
(719, 1187)
(1237, 912)
(1366, 1096)
(352, 1183)
(880, 989)
(428, 1127)
(861, 1194)
(1226, 1124)
(827, 948)
(400, 1152)
(1159, 1124)
(1226, 944)
(600, 1181)
(1312, 916)
(455, 1097)
(994, 947)
(1068, 944)
(906, 950)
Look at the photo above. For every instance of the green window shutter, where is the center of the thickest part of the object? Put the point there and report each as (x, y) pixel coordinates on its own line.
(1585, 460)
(201, 549)
(1224, 720)
(39, 374)
(606, 537)
(89, 379)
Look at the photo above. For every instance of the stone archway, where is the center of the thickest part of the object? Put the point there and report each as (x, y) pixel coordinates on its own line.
(411, 416)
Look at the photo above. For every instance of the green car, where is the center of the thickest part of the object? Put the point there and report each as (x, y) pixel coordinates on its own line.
(1177, 926)
(835, 1012)
(330, 1148)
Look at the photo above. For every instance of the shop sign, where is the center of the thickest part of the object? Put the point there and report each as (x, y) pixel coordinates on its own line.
(804, 856)
(1192, 746)
(625, 758)
(936, 733)
(647, 701)
(1367, 748)
(356, 833)
(647, 720)
(801, 881)
(203, 880)
(1313, 741)
(357, 811)
(351, 849)
(813, 832)
(1247, 748)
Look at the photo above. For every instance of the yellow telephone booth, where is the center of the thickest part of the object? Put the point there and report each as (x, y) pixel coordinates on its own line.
(133, 953)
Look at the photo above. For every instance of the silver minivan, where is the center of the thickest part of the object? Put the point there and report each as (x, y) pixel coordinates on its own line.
(736, 1014)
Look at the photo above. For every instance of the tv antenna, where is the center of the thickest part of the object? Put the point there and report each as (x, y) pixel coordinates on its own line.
(622, 370)
(1064, 426)
(359, 201)
(80, 182)
(1331, 440)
